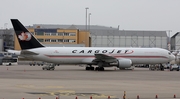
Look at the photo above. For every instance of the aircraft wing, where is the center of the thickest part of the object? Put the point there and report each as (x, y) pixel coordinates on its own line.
(105, 58)
(13, 51)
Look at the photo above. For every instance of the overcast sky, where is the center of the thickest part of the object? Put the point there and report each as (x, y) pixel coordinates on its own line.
(128, 14)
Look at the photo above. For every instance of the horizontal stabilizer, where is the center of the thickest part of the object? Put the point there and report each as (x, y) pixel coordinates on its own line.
(24, 52)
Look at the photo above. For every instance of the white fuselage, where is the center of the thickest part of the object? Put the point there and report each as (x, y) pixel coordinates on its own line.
(85, 55)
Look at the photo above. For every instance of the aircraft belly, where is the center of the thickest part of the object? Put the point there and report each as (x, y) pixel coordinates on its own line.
(82, 60)
(64, 60)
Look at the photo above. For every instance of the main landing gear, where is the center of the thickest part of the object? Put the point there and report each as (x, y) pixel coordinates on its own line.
(99, 68)
(89, 67)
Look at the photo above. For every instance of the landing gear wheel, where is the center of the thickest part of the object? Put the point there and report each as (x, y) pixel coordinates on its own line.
(92, 68)
(87, 68)
(99, 68)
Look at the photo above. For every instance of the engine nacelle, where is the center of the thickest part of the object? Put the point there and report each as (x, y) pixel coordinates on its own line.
(124, 63)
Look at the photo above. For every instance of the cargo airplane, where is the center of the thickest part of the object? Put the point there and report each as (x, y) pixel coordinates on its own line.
(120, 57)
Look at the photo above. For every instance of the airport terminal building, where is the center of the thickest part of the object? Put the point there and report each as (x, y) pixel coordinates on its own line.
(6, 39)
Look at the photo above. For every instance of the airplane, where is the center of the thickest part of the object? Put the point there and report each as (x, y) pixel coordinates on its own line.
(121, 57)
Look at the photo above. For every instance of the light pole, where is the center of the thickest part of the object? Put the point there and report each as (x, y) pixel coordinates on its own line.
(169, 40)
(89, 22)
(86, 17)
(86, 27)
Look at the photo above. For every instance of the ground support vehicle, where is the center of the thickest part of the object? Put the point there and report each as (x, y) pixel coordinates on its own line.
(174, 67)
(49, 67)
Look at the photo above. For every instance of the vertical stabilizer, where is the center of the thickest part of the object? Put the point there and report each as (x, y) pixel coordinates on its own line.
(25, 38)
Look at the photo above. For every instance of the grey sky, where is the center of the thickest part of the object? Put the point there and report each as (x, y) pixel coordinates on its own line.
(129, 14)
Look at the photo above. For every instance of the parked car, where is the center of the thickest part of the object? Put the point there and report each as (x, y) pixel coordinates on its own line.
(174, 67)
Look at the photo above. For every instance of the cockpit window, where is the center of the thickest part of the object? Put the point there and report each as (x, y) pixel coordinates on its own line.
(169, 53)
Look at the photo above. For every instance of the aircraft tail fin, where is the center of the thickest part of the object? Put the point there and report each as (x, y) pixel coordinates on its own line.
(25, 38)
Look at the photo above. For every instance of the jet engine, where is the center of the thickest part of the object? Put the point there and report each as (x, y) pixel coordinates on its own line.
(124, 63)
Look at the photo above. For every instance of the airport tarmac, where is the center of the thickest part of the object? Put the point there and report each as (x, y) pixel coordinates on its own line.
(67, 82)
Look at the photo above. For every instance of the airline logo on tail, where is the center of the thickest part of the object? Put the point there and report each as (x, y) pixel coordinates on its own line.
(24, 36)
